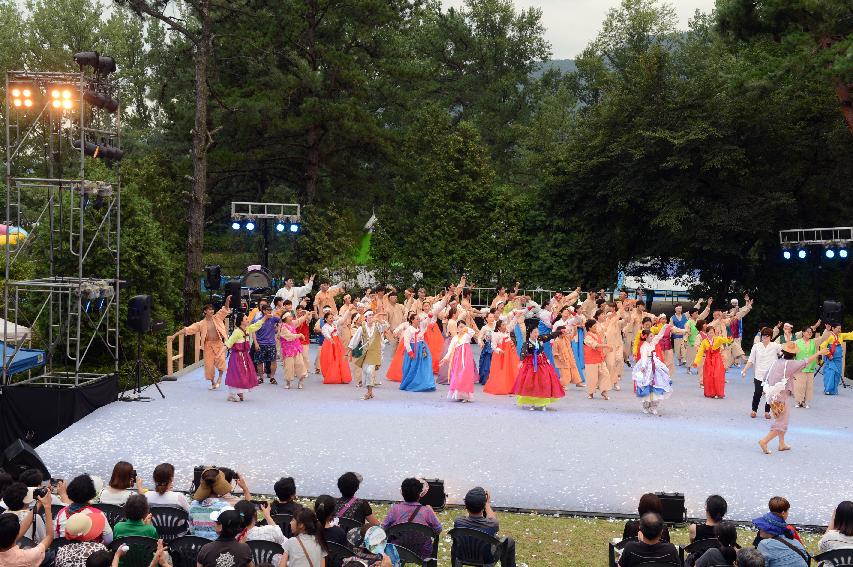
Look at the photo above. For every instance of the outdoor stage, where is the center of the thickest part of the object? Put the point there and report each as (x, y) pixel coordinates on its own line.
(587, 455)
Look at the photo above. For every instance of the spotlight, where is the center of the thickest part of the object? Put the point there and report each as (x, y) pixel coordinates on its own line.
(250, 225)
(842, 253)
(279, 226)
(294, 228)
(786, 254)
(235, 224)
(99, 150)
(106, 65)
(61, 97)
(801, 254)
(830, 253)
(87, 58)
(100, 101)
(22, 95)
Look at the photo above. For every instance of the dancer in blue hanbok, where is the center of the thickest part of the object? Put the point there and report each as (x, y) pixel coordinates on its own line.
(417, 360)
(834, 361)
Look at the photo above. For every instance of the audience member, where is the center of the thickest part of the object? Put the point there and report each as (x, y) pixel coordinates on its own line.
(5, 480)
(726, 552)
(211, 497)
(163, 495)
(137, 520)
(481, 517)
(18, 498)
(839, 533)
(649, 502)
(370, 547)
(349, 506)
(324, 508)
(749, 557)
(11, 527)
(84, 531)
(270, 532)
(307, 547)
(779, 506)
(776, 540)
(715, 509)
(234, 478)
(649, 548)
(33, 478)
(410, 510)
(118, 490)
(225, 549)
(81, 490)
(285, 493)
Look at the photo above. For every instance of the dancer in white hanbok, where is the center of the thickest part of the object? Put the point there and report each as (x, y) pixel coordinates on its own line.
(651, 376)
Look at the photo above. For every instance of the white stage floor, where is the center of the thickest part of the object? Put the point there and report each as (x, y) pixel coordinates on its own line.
(587, 455)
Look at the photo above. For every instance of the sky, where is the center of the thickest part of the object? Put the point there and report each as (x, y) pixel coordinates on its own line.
(571, 24)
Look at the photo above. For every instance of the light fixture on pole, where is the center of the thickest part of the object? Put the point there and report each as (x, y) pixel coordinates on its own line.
(22, 96)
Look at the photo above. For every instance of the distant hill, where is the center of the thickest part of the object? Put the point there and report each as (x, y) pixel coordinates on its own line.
(562, 65)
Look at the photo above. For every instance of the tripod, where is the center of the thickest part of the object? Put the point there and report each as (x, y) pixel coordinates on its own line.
(138, 368)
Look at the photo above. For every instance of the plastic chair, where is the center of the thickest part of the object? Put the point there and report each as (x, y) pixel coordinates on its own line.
(114, 513)
(348, 523)
(263, 551)
(26, 543)
(283, 521)
(409, 557)
(836, 557)
(696, 549)
(337, 553)
(611, 550)
(171, 523)
(473, 547)
(413, 536)
(184, 550)
(141, 551)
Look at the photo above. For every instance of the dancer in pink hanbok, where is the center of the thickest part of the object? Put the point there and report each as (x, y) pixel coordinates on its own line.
(461, 369)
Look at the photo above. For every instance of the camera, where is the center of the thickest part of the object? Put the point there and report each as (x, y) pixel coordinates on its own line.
(40, 492)
(133, 477)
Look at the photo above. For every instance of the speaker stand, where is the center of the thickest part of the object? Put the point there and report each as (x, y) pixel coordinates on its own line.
(139, 367)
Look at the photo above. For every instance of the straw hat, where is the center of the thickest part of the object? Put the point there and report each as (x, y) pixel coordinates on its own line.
(791, 348)
(220, 486)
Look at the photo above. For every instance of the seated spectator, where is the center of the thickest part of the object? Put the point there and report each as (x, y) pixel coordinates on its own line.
(715, 509)
(777, 542)
(84, 532)
(410, 510)
(370, 547)
(649, 548)
(33, 478)
(749, 557)
(18, 498)
(81, 490)
(839, 534)
(349, 506)
(481, 517)
(285, 493)
(11, 555)
(270, 532)
(137, 520)
(324, 508)
(213, 496)
(107, 559)
(5, 480)
(649, 502)
(163, 495)
(307, 546)
(726, 552)
(118, 490)
(226, 550)
(233, 478)
(780, 507)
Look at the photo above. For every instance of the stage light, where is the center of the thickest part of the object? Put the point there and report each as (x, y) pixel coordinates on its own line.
(102, 151)
(28, 103)
(67, 104)
(842, 253)
(100, 101)
(106, 65)
(87, 58)
(294, 228)
(279, 226)
(830, 253)
(786, 254)
(235, 224)
(250, 225)
(801, 254)
(22, 95)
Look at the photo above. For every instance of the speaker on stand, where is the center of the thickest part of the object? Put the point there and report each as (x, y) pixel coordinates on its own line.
(139, 320)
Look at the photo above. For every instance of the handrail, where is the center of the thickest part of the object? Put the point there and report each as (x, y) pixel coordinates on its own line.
(171, 358)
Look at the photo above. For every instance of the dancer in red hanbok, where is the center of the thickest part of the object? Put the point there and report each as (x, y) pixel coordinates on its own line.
(505, 362)
(333, 362)
(714, 372)
(536, 384)
(395, 369)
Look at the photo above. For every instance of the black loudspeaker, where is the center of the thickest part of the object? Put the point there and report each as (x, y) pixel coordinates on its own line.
(212, 277)
(19, 457)
(674, 511)
(832, 312)
(235, 290)
(435, 496)
(139, 313)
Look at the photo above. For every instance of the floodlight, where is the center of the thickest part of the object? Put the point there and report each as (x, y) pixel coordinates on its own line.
(250, 225)
(801, 254)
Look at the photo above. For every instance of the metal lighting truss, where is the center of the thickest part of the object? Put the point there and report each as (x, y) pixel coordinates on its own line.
(78, 218)
(834, 236)
(287, 212)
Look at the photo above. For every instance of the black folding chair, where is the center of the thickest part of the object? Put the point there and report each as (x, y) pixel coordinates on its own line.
(409, 557)
(836, 557)
(171, 523)
(698, 548)
(114, 513)
(413, 537)
(26, 543)
(141, 551)
(264, 551)
(474, 548)
(184, 550)
(348, 523)
(337, 553)
(283, 521)
(611, 551)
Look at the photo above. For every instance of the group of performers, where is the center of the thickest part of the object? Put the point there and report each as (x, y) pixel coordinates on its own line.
(534, 352)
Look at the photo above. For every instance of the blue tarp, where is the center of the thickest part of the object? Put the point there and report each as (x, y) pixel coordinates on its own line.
(25, 359)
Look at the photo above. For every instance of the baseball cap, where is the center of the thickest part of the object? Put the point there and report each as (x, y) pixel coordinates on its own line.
(475, 499)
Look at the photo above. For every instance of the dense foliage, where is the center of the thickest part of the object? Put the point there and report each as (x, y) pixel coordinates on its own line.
(678, 147)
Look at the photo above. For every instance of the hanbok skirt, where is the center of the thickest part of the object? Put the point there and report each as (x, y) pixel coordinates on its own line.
(417, 371)
(333, 363)
(577, 349)
(832, 373)
(714, 374)
(435, 342)
(462, 374)
(503, 370)
(536, 383)
(240, 375)
(485, 362)
(443, 376)
(651, 379)
(548, 347)
(395, 369)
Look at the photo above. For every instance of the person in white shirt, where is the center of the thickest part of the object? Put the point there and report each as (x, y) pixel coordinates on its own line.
(762, 356)
(270, 532)
(295, 294)
(124, 477)
(163, 495)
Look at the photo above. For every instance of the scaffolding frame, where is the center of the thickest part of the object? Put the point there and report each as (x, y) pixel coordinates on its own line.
(77, 216)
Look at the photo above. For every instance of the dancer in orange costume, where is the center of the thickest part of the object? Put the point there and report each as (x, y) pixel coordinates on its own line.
(333, 362)
(505, 362)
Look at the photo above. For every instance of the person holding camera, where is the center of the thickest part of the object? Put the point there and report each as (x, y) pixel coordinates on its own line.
(13, 528)
(481, 517)
(124, 477)
(18, 498)
(212, 497)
